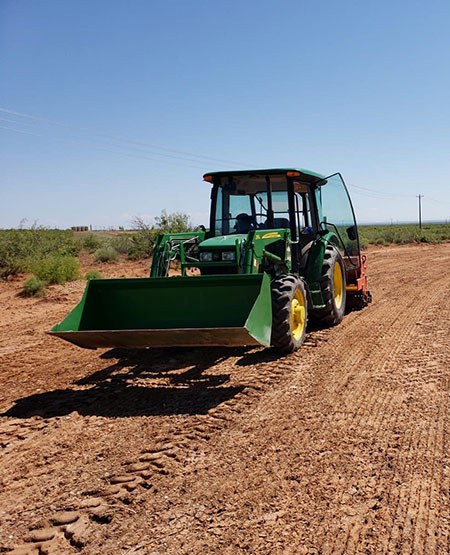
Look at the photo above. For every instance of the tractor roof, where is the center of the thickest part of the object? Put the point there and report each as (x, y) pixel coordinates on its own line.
(306, 175)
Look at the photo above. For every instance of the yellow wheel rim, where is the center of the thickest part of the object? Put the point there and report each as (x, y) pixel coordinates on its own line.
(338, 285)
(298, 315)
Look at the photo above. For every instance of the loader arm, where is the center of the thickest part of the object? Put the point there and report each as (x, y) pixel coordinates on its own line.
(171, 246)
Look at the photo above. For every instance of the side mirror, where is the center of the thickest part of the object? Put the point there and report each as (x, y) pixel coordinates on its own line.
(351, 233)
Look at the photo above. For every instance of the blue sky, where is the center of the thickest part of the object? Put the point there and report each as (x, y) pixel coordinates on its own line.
(112, 109)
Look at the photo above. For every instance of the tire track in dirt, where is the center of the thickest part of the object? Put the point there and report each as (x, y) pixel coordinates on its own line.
(72, 528)
(18, 430)
(417, 504)
(362, 399)
(425, 531)
(97, 506)
(431, 441)
(418, 499)
(354, 529)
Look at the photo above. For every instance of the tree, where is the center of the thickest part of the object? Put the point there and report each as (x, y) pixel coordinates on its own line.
(173, 223)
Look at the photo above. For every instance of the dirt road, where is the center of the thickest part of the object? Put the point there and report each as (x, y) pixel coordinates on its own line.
(339, 448)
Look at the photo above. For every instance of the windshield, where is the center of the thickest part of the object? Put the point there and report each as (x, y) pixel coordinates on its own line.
(243, 204)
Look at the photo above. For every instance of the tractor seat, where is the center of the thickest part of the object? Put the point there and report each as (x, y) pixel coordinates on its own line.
(278, 223)
(281, 223)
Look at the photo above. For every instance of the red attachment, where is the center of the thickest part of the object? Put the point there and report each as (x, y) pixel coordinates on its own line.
(358, 294)
(362, 280)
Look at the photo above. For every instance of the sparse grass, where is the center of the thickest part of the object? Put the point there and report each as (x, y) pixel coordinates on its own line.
(93, 274)
(34, 287)
(105, 255)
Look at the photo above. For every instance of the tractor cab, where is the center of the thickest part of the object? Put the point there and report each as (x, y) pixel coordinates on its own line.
(300, 204)
(304, 202)
(247, 201)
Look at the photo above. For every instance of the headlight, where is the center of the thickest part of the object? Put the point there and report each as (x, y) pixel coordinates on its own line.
(206, 256)
(228, 256)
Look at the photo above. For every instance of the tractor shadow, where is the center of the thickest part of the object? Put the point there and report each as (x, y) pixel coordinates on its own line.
(160, 382)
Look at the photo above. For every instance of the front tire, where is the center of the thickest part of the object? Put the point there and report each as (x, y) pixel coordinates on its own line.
(332, 283)
(289, 313)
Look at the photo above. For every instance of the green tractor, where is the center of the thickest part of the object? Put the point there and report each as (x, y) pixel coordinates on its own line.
(282, 248)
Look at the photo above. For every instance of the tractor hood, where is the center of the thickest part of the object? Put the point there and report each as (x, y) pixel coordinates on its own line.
(224, 241)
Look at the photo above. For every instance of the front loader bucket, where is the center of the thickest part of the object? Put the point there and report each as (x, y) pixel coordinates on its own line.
(168, 312)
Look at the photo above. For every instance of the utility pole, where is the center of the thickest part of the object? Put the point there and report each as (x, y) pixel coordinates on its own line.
(420, 197)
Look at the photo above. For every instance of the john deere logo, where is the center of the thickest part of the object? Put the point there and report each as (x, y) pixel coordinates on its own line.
(271, 235)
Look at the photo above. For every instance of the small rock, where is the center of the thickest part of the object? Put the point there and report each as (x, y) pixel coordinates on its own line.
(42, 535)
(122, 479)
(99, 509)
(91, 502)
(136, 467)
(111, 490)
(65, 517)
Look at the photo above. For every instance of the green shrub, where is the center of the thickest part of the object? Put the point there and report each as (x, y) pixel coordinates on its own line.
(105, 254)
(122, 243)
(34, 286)
(10, 266)
(142, 244)
(19, 248)
(363, 243)
(91, 243)
(56, 269)
(142, 241)
(405, 233)
(93, 274)
(173, 223)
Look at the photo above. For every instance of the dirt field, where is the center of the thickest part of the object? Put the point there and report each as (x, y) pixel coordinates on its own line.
(339, 448)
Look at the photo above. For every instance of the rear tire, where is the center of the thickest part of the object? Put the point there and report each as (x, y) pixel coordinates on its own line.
(289, 313)
(332, 283)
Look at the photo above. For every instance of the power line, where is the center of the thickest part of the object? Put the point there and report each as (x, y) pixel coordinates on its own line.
(119, 149)
(138, 149)
(380, 194)
(14, 121)
(437, 201)
(123, 142)
(21, 131)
